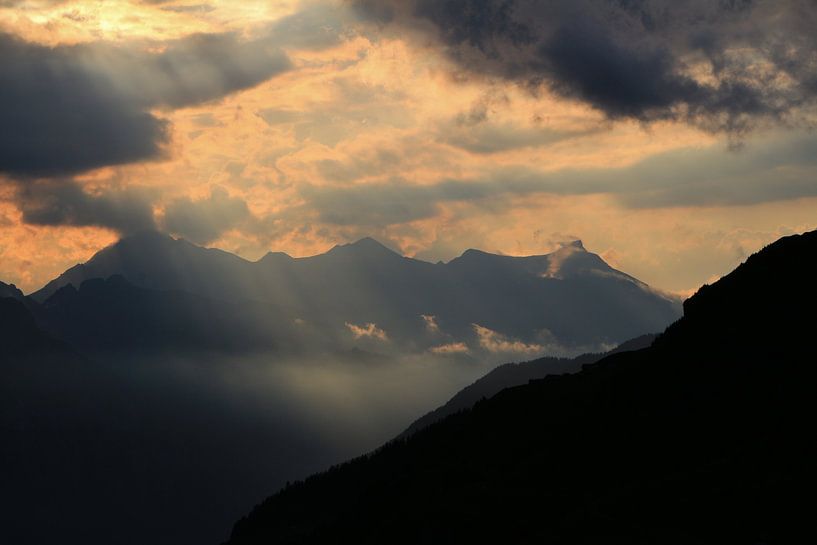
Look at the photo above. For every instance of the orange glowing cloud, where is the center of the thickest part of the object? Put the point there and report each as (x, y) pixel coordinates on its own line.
(365, 130)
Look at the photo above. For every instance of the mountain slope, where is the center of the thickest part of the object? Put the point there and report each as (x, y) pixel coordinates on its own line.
(704, 437)
(114, 316)
(516, 374)
(565, 302)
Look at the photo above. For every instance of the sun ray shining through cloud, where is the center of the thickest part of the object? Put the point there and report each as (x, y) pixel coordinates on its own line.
(242, 241)
(293, 126)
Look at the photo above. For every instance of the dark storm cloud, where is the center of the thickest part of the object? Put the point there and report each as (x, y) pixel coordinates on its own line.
(58, 116)
(199, 68)
(202, 221)
(68, 109)
(64, 202)
(637, 59)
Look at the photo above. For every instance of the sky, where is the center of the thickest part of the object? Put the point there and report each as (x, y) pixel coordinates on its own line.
(673, 138)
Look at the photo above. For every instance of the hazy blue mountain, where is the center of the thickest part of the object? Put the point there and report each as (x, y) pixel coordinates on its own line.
(706, 437)
(516, 374)
(568, 301)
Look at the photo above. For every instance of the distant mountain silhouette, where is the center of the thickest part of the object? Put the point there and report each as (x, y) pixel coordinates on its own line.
(10, 290)
(517, 374)
(704, 437)
(568, 301)
(18, 329)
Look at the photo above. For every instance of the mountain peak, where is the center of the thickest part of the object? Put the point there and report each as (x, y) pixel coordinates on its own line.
(274, 257)
(573, 258)
(366, 245)
(478, 258)
(147, 241)
(474, 252)
(10, 290)
(569, 248)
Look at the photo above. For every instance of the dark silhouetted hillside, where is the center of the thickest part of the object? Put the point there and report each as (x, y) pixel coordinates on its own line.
(704, 437)
(517, 374)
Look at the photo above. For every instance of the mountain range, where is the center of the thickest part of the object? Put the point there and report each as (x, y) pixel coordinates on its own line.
(492, 307)
(173, 451)
(703, 437)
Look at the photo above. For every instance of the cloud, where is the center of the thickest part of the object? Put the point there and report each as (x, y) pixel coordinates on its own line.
(17, 3)
(771, 169)
(720, 65)
(776, 168)
(58, 117)
(493, 341)
(204, 220)
(67, 109)
(450, 348)
(389, 203)
(65, 202)
(190, 8)
(369, 331)
(316, 26)
(431, 324)
(489, 138)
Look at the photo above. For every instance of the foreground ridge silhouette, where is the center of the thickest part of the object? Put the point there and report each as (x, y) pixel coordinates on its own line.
(517, 374)
(705, 437)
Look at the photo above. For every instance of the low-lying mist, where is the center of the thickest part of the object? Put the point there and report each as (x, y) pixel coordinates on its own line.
(174, 449)
(207, 382)
(355, 400)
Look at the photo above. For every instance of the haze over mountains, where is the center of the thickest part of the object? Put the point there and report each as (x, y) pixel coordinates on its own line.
(137, 414)
(703, 437)
(142, 451)
(157, 392)
(366, 295)
(160, 374)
